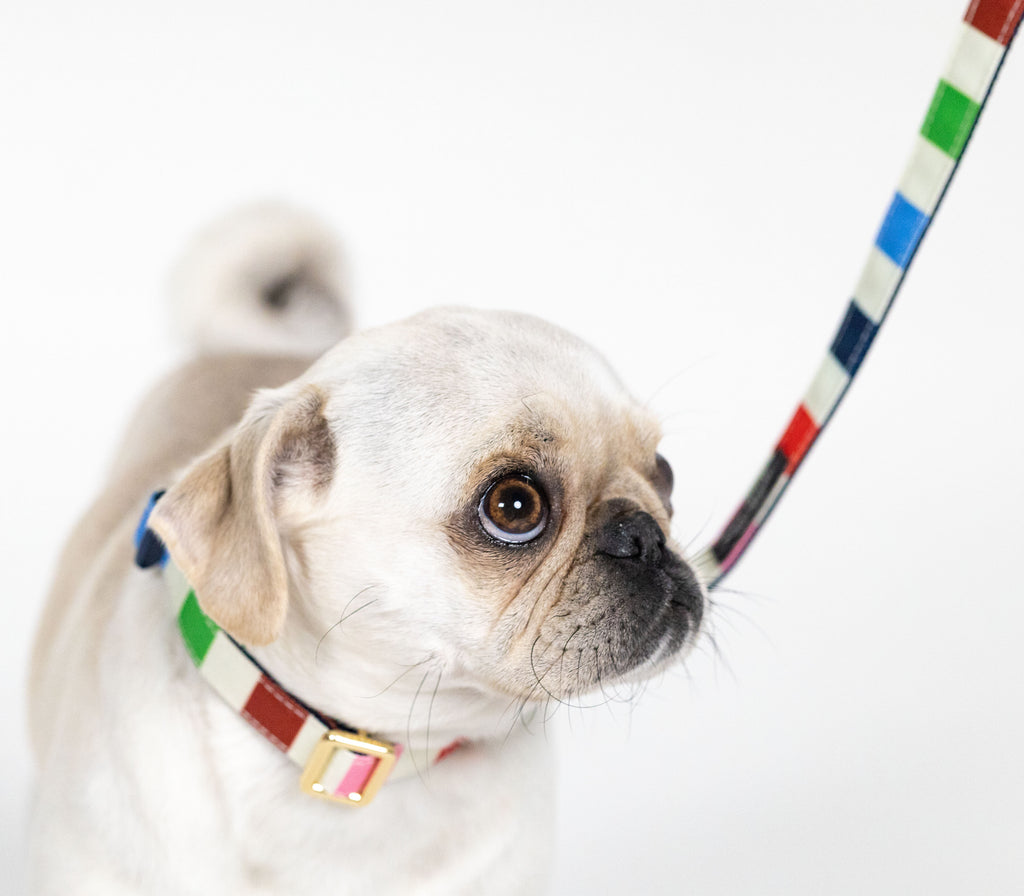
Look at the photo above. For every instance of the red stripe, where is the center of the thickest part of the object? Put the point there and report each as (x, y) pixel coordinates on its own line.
(274, 713)
(456, 744)
(996, 18)
(798, 437)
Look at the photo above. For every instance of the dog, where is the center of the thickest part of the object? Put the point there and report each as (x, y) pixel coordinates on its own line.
(401, 545)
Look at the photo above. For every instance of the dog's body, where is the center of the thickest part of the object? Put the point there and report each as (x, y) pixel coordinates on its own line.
(347, 531)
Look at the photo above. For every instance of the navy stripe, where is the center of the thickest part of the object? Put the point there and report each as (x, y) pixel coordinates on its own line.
(853, 339)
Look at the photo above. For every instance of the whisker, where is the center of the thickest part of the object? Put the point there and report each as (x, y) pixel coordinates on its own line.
(408, 724)
(726, 614)
(750, 595)
(672, 379)
(549, 714)
(430, 712)
(401, 675)
(345, 614)
(540, 682)
(517, 716)
(720, 658)
(698, 534)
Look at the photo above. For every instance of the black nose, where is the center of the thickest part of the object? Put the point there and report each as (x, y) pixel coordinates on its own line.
(634, 535)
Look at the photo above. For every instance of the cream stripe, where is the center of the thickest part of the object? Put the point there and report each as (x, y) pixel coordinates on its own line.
(232, 674)
(877, 284)
(826, 389)
(177, 585)
(706, 566)
(338, 766)
(310, 734)
(974, 62)
(925, 176)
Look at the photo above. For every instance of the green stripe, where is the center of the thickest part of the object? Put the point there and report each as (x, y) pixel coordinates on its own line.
(197, 628)
(949, 120)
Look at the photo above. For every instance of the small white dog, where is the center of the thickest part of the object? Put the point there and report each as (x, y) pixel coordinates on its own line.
(373, 578)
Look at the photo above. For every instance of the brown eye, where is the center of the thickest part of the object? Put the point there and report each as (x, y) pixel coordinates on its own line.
(514, 509)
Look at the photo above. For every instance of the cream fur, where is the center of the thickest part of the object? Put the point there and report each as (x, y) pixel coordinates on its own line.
(348, 493)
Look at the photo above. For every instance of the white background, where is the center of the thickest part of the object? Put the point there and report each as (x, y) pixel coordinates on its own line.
(690, 186)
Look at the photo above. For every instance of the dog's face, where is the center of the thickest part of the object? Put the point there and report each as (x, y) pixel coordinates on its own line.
(476, 488)
(560, 533)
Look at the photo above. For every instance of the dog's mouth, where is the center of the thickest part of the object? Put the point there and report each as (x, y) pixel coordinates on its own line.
(621, 619)
(659, 616)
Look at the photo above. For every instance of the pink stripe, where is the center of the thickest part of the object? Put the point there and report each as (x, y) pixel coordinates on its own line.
(357, 775)
(741, 545)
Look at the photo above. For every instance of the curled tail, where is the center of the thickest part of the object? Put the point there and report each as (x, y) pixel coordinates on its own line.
(267, 279)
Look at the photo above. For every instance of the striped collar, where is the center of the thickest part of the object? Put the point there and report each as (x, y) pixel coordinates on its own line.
(338, 763)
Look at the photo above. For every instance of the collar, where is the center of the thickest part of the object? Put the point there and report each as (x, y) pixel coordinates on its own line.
(338, 763)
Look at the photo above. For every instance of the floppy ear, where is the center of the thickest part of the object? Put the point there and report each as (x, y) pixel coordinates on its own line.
(221, 522)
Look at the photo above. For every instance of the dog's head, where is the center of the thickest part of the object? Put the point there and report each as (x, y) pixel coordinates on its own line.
(475, 488)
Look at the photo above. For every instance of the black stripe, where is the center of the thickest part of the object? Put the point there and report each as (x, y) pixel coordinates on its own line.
(751, 506)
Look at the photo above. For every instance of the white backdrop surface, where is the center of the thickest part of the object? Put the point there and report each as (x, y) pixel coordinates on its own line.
(690, 186)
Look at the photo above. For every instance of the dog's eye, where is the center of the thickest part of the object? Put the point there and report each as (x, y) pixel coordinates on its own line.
(663, 476)
(663, 481)
(514, 509)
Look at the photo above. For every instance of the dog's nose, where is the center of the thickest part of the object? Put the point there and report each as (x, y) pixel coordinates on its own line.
(633, 535)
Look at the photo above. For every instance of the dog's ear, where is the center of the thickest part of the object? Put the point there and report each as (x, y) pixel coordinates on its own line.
(222, 521)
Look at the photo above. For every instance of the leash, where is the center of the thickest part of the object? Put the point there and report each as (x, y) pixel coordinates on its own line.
(986, 32)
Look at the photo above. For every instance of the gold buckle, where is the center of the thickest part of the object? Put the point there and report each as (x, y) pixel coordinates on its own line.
(331, 743)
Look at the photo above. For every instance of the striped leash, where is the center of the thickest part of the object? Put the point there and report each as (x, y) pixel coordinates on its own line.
(985, 36)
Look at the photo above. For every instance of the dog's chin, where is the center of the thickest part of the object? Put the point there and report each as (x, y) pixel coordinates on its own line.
(671, 648)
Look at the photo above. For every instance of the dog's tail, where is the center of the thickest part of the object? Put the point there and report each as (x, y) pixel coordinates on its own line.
(267, 279)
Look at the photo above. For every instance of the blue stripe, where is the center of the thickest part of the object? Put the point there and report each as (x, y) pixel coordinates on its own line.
(853, 339)
(149, 549)
(901, 231)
